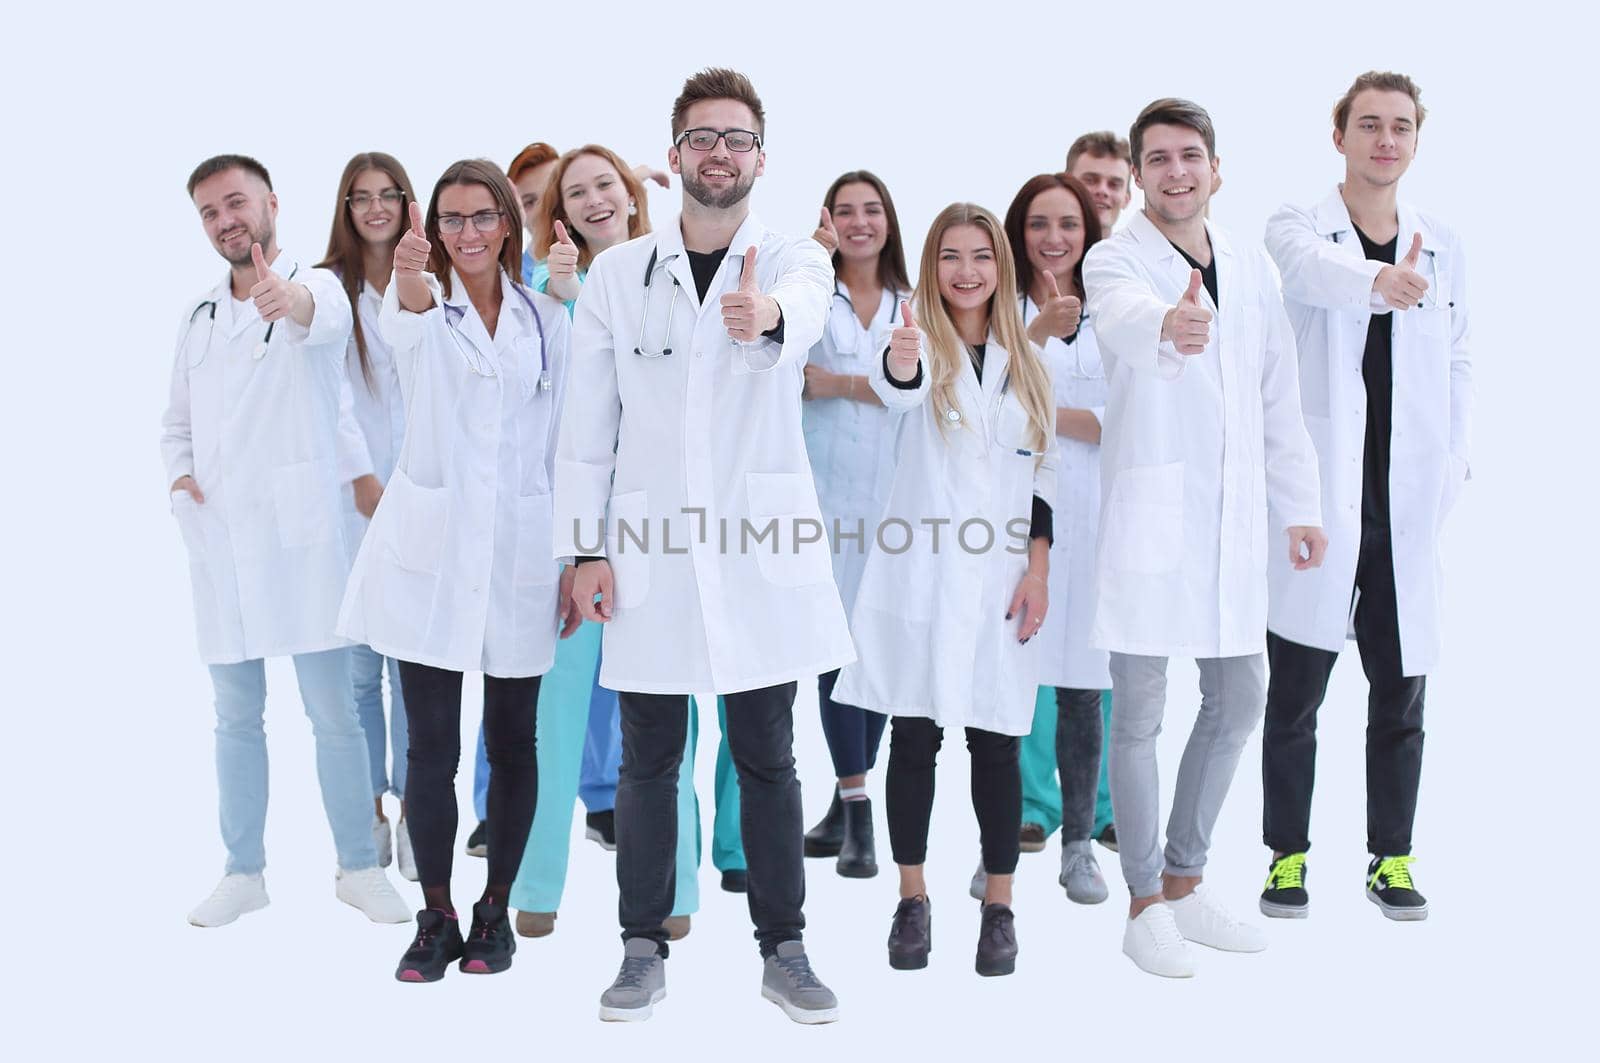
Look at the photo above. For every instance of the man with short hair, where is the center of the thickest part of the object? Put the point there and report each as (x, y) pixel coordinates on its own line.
(1206, 470)
(1102, 163)
(258, 440)
(1376, 291)
(681, 433)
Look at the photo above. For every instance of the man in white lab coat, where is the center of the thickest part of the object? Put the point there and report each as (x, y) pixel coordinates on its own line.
(1206, 469)
(682, 461)
(1376, 291)
(258, 439)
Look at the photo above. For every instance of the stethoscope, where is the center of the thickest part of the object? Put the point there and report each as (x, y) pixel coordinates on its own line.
(644, 313)
(838, 322)
(476, 361)
(953, 415)
(1077, 370)
(258, 352)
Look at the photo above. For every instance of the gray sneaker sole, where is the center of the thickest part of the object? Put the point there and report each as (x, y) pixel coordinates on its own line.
(1399, 915)
(1273, 910)
(804, 1016)
(1080, 897)
(639, 1014)
(594, 836)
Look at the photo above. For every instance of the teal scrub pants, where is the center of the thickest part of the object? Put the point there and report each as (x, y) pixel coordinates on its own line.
(1041, 790)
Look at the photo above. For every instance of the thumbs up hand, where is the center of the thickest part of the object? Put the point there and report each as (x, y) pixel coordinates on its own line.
(1060, 314)
(746, 313)
(826, 234)
(562, 261)
(1401, 285)
(411, 253)
(905, 346)
(1187, 326)
(272, 294)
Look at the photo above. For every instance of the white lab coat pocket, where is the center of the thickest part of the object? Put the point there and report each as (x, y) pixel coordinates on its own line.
(796, 557)
(306, 505)
(186, 511)
(412, 520)
(1144, 519)
(628, 547)
(535, 568)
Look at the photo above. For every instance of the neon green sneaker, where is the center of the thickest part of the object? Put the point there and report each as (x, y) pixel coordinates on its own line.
(1391, 888)
(1284, 896)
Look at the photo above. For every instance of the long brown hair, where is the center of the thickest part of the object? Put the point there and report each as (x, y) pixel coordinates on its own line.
(946, 350)
(892, 259)
(553, 206)
(1017, 224)
(346, 255)
(485, 173)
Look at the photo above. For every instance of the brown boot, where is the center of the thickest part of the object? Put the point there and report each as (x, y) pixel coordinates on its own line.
(535, 924)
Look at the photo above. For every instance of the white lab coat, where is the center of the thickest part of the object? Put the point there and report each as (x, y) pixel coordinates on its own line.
(377, 404)
(684, 448)
(851, 443)
(1327, 284)
(929, 622)
(457, 571)
(271, 443)
(1204, 460)
(1067, 656)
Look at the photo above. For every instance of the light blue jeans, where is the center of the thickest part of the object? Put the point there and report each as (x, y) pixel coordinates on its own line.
(366, 673)
(241, 692)
(602, 752)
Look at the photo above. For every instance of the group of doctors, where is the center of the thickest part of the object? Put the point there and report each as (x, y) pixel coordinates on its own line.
(998, 495)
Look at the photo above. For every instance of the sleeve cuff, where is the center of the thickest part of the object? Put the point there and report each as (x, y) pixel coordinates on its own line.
(903, 385)
(1043, 523)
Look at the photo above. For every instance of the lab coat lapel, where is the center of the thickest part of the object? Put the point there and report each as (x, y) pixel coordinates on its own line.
(1223, 258)
(671, 256)
(1165, 261)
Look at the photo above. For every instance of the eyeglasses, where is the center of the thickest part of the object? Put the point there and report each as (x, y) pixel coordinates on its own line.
(704, 139)
(365, 201)
(485, 221)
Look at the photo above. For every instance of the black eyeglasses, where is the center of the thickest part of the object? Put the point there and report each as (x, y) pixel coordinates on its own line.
(704, 139)
(485, 221)
(364, 201)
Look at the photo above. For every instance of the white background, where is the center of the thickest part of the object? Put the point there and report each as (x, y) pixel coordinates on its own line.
(108, 777)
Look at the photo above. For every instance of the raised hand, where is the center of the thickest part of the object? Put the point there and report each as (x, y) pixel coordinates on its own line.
(272, 294)
(411, 253)
(905, 346)
(1187, 326)
(746, 313)
(563, 258)
(1401, 286)
(1060, 314)
(826, 234)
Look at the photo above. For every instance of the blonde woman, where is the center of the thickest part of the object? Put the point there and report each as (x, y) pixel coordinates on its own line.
(956, 583)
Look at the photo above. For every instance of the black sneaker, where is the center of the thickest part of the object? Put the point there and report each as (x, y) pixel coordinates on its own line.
(1108, 837)
(858, 855)
(489, 943)
(1389, 886)
(736, 880)
(911, 934)
(478, 840)
(1031, 837)
(997, 941)
(1285, 896)
(437, 945)
(601, 827)
(828, 835)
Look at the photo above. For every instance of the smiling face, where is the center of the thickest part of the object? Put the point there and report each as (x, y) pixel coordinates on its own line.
(1380, 138)
(530, 187)
(1053, 235)
(594, 200)
(1108, 179)
(471, 252)
(237, 210)
(967, 271)
(1176, 173)
(717, 178)
(380, 221)
(860, 220)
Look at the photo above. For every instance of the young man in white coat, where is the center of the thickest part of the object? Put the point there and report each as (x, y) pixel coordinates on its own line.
(1376, 291)
(680, 446)
(1206, 470)
(258, 439)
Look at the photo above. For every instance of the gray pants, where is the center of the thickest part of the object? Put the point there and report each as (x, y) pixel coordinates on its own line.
(1233, 694)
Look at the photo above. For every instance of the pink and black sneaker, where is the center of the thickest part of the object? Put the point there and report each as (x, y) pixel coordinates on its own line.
(490, 943)
(437, 944)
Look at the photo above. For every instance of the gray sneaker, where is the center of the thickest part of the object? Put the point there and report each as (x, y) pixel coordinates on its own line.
(640, 983)
(978, 888)
(788, 981)
(1080, 874)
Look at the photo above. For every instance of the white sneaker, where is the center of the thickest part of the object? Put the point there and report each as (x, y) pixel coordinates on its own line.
(234, 896)
(370, 891)
(978, 888)
(407, 860)
(380, 838)
(1152, 941)
(1203, 920)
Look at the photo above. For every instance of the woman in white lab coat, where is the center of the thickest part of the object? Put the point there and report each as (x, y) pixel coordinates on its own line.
(1051, 223)
(956, 583)
(369, 216)
(456, 573)
(850, 440)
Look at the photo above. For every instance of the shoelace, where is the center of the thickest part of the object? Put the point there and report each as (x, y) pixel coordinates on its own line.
(1165, 932)
(998, 924)
(1395, 872)
(633, 971)
(798, 968)
(1288, 873)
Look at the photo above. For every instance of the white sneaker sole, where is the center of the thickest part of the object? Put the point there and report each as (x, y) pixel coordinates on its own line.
(253, 906)
(400, 914)
(1159, 974)
(1399, 915)
(1284, 911)
(599, 839)
(804, 1016)
(610, 1014)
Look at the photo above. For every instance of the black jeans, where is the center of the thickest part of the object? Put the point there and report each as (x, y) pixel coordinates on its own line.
(433, 727)
(996, 791)
(1295, 690)
(852, 734)
(1079, 734)
(760, 735)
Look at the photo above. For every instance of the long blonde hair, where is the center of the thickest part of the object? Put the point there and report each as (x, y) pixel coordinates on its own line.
(1030, 381)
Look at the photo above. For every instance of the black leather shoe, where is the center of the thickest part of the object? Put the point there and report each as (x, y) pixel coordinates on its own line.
(911, 934)
(736, 880)
(858, 858)
(825, 838)
(997, 941)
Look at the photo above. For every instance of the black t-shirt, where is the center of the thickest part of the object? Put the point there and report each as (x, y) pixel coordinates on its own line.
(704, 265)
(1377, 371)
(1208, 273)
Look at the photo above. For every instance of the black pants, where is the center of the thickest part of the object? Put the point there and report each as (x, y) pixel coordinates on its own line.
(852, 734)
(760, 733)
(996, 791)
(1297, 685)
(433, 726)
(1080, 731)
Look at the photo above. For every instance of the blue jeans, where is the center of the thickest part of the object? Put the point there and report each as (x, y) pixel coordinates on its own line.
(602, 752)
(366, 674)
(241, 693)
